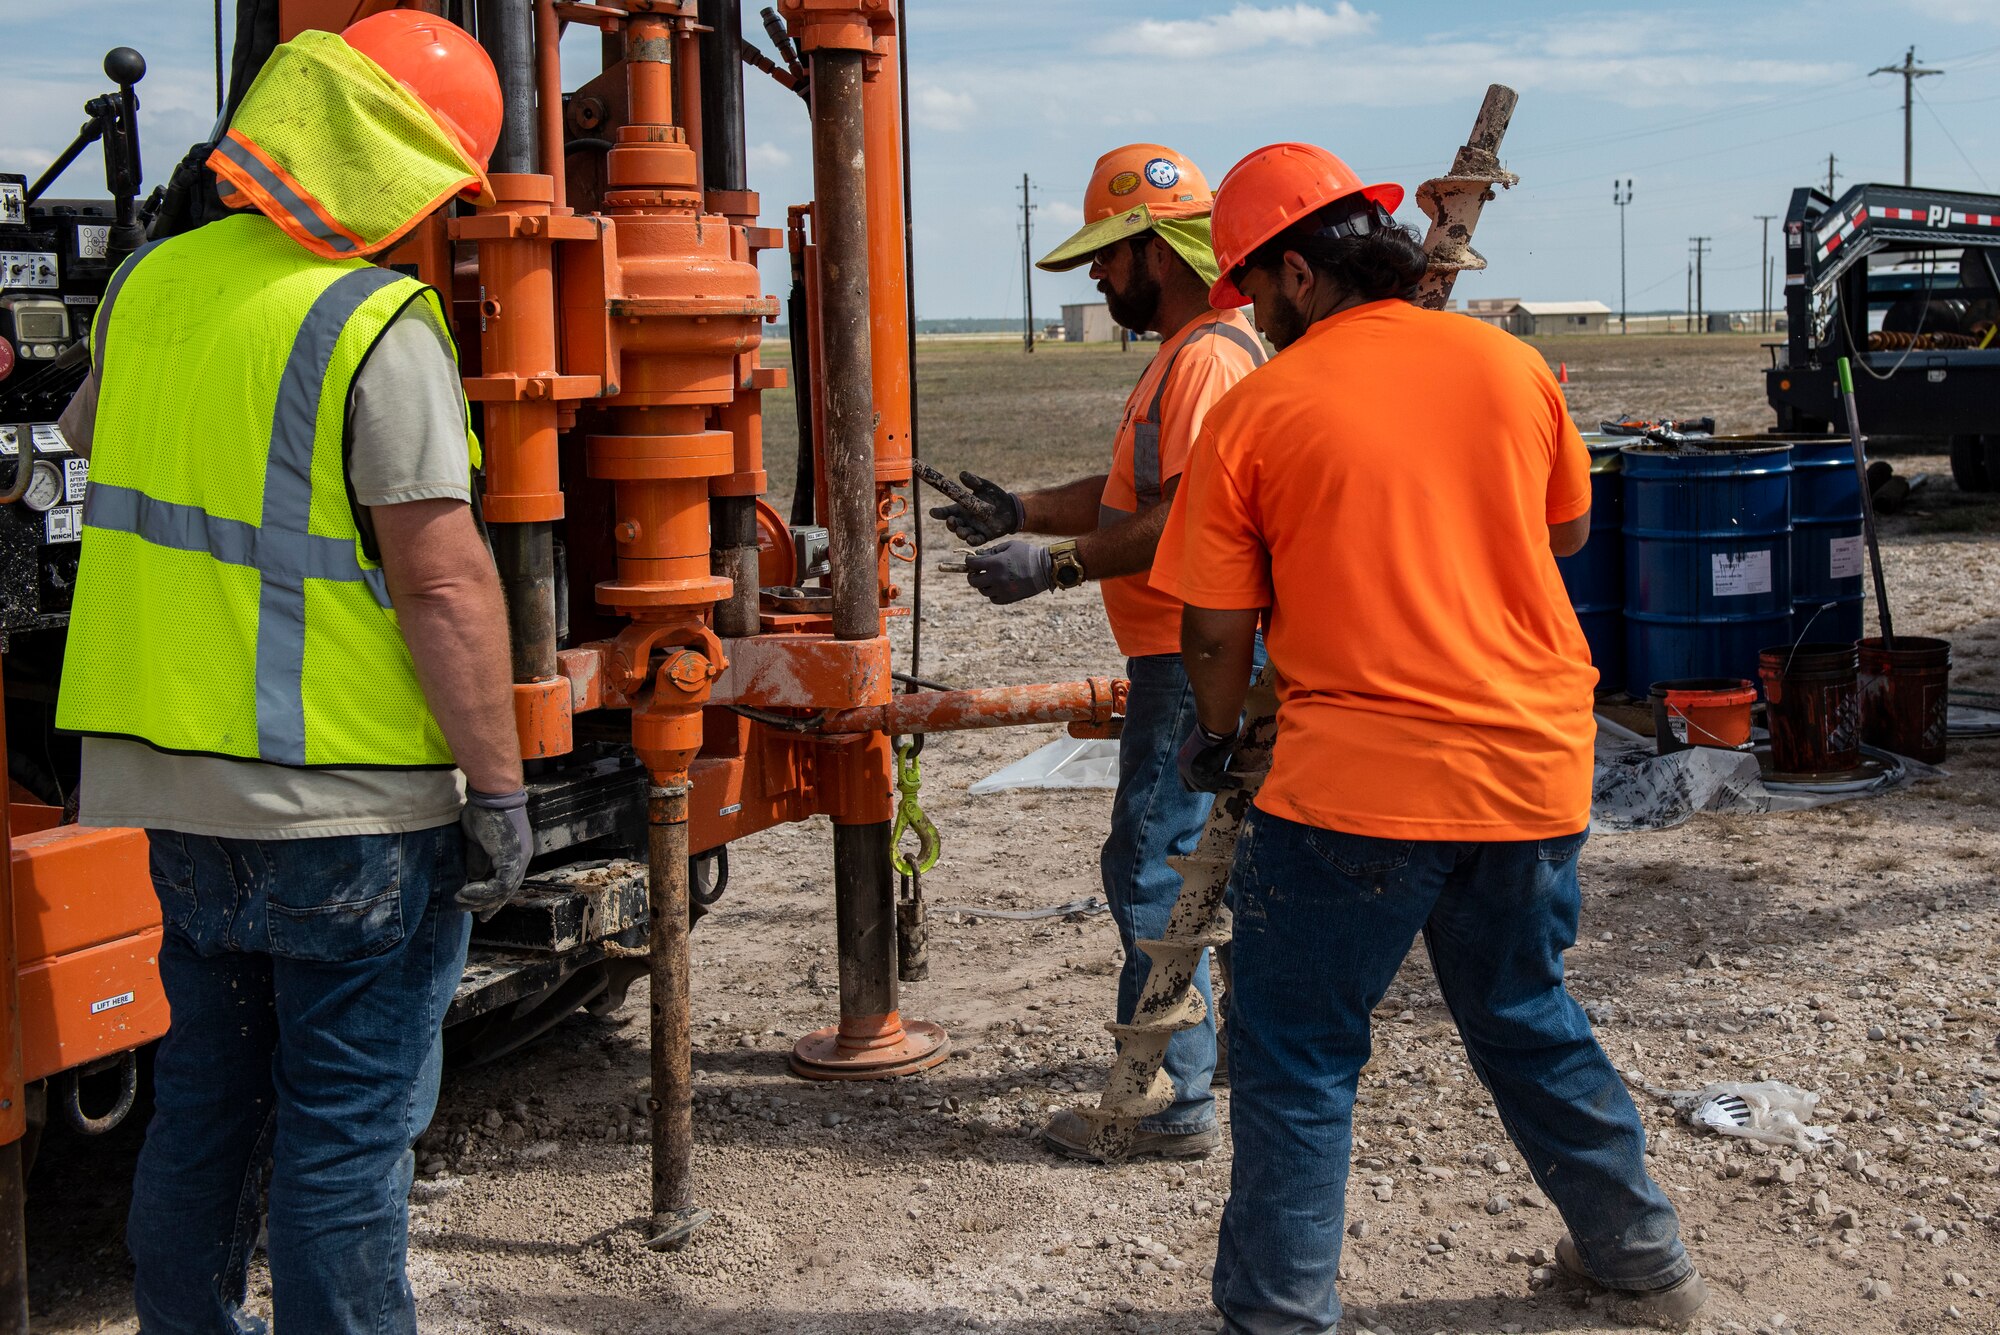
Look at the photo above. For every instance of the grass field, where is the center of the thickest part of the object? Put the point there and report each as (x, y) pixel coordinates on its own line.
(1042, 417)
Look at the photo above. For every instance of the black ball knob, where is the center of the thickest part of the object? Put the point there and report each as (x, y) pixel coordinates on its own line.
(123, 65)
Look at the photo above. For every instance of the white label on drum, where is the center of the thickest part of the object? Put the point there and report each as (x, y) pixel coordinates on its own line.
(1843, 557)
(1741, 574)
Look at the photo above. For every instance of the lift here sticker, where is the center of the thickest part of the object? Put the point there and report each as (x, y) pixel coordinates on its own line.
(1739, 574)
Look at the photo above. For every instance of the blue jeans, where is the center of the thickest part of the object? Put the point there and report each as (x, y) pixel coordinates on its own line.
(1323, 921)
(1152, 815)
(308, 980)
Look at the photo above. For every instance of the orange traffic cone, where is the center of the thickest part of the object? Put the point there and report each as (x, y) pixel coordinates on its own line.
(1562, 373)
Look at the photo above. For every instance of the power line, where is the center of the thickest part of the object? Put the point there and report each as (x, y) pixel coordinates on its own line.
(1911, 72)
(1952, 140)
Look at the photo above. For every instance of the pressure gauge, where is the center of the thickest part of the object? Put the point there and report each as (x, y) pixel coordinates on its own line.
(45, 486)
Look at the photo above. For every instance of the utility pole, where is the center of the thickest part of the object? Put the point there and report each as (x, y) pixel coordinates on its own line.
(1830, 174)
(1700, 244)
(1621, 195)
(1027, 273)
(1911, 72)
(1764, 308)
(1689, 319)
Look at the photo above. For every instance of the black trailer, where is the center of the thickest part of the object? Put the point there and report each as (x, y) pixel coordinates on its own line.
(1906, 283)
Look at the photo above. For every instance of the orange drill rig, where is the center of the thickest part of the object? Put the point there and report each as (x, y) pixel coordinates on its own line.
(689, 668)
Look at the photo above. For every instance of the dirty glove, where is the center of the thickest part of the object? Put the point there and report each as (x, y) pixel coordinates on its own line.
(1011, 571)
(1204, 759)
(991, 514)
(499, 845)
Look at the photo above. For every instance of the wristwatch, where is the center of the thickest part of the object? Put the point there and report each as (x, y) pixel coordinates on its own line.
(1064, 565)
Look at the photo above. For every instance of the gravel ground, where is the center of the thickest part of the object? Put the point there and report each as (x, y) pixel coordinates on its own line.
(1848, 950)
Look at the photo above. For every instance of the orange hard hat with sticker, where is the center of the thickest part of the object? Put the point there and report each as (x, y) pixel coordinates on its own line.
(1149, 174)
(1267, 192)
(1131, 189)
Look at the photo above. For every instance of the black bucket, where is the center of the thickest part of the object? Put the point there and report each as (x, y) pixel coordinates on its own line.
(1812, 705)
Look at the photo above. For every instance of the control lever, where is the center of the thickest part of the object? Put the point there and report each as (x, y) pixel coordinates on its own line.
(114, 118)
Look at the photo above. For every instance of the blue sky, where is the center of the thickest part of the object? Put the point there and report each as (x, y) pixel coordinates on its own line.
(1715, 110)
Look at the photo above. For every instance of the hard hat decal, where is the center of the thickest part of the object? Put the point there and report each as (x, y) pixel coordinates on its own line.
(1161, 173)
(1124, 183)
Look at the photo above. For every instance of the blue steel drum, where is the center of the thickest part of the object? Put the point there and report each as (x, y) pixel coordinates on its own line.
(1595, 576)
(1708, 560)
(1829, 557)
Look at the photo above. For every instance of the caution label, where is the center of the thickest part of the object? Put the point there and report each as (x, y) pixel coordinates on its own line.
(1843, 557)
(1740, 574)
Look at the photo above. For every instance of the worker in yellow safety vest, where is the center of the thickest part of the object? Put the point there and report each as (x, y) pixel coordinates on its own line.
(1146, 240)
(286, 662)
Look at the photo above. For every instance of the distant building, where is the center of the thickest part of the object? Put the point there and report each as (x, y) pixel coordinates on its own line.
(1541, 317)
(1089, 322)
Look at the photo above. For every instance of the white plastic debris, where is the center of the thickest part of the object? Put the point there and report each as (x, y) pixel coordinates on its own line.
(1767, 1110)
(1067, 762)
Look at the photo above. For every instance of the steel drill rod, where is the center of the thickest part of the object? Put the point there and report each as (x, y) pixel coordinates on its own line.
(733, 555)
(841, 222)
(671, 1102)
(1854, 440)
(525, 556)
(864, 900)
(1093, 700)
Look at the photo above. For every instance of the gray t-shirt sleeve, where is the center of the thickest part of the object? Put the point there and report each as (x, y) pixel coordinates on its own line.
(79, 420)
(407, 418)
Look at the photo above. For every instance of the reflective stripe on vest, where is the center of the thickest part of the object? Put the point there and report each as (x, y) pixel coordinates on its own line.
(281, 549)
(1146, 480)
(301, 213)
(224, 603)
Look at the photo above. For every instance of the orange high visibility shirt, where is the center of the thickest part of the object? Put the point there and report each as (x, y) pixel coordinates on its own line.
(1385, 487)
(1162, 417)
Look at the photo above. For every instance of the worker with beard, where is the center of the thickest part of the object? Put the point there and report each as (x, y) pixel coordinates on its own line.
(1388, 498)
(1146, 240)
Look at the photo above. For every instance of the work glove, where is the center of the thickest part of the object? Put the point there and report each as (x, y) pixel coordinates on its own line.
(1204, 759)
(499, 845)
(1011, 571)
(991, 514)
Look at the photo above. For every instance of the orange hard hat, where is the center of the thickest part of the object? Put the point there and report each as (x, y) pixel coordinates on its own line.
(1149, 174)
(443, 66)
(1270, 190)
(1132, 188)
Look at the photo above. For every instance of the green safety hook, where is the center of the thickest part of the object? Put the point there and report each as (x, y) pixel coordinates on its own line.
(910, 816)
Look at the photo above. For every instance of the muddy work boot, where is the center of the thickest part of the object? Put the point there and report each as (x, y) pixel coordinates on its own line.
(1068, 1134)
(1670, 1308)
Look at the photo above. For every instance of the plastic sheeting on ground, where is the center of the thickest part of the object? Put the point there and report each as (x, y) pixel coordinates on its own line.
(1067, 762)
(1633, 789)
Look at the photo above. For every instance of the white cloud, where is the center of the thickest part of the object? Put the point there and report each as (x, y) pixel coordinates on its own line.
(1958, 11)
(767, 156)
(1244, 28)
(940, 109)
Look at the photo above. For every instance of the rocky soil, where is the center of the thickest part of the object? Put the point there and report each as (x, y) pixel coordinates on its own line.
(1848, 950)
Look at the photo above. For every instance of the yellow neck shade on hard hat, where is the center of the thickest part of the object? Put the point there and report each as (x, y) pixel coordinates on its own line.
(1188, 236)
(341, 156)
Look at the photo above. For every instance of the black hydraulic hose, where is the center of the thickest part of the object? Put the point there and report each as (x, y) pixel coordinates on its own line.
(800, 335)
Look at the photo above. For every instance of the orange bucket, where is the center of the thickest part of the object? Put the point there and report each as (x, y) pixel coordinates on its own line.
(1702, 711)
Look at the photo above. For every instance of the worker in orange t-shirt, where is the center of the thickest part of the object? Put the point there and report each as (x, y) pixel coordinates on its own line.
(1145, 238)
(1389, 496)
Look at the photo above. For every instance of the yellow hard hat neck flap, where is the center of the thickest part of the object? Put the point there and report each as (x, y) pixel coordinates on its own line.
(1188, 236)
(341, 156)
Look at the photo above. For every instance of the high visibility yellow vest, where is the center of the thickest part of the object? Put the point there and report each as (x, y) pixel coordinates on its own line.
(224, 603)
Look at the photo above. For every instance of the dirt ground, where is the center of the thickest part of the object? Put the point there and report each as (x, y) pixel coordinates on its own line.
(1849, 950)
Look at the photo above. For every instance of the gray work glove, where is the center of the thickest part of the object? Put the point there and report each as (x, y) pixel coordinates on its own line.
(500, 843)
(991, 514)
(1011, 571)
